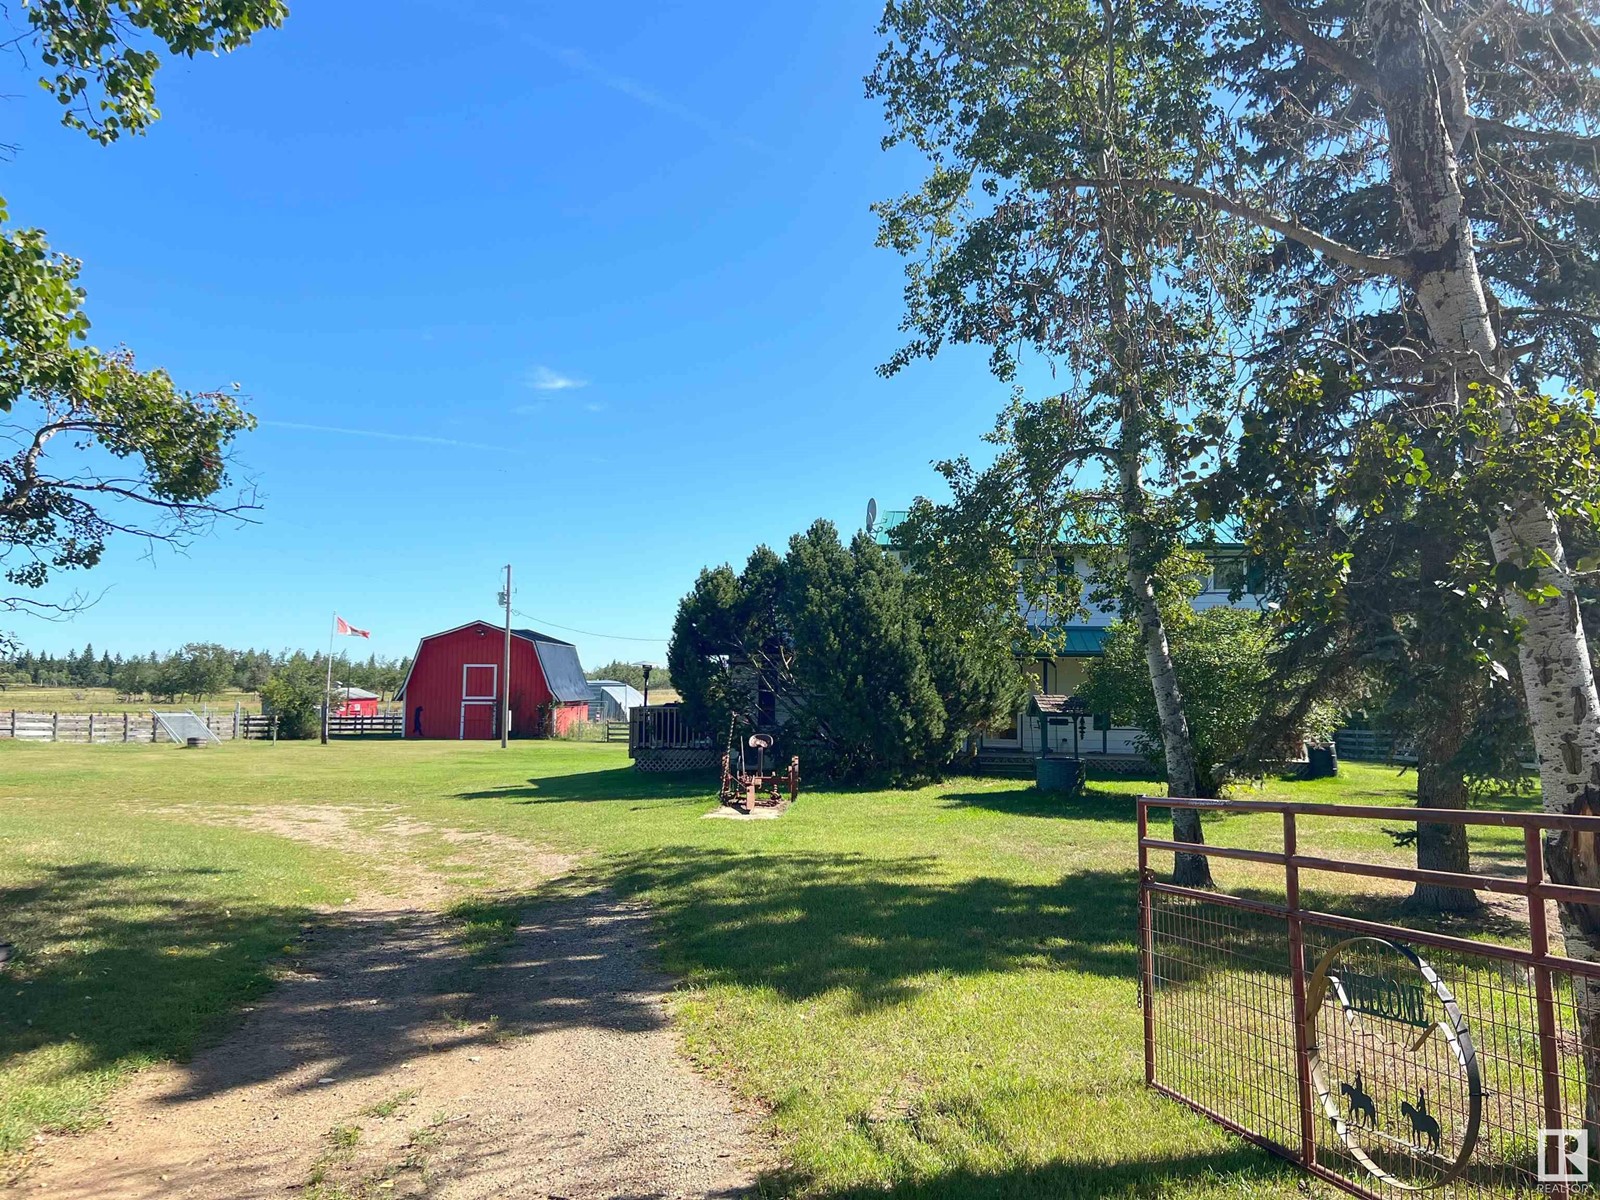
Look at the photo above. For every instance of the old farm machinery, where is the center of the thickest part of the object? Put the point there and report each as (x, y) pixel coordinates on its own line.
(747, 790)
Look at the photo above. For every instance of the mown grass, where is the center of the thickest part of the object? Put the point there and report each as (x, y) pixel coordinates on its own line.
(484, 925)
(27, 697)
(135, 937)
(932, 991)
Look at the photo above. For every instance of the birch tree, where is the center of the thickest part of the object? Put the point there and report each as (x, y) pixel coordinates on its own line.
(1003, 98)
(1438, 168)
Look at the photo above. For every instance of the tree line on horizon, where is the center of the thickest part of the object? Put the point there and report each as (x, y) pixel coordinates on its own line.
(197, 670)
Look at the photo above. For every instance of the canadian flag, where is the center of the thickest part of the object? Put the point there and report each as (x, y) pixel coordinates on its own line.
(341, 626)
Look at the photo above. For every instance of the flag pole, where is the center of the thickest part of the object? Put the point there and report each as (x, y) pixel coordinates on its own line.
(327, 688)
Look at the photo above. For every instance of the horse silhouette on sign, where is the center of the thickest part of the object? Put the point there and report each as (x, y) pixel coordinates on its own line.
(1424, 1125)
(1361, 1103)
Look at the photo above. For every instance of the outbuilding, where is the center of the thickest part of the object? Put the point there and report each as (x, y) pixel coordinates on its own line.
(613, 700)
(354, 701)
(455, 688)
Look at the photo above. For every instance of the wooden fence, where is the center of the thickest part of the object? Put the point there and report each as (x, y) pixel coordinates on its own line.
(142, 727)
(107, 727)
(1366, 745)
(383, 725)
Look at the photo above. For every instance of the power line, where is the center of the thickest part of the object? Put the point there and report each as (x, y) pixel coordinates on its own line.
(615, 637)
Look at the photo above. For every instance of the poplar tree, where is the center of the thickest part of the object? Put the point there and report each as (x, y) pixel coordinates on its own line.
(1003, 99)
(1424, 183)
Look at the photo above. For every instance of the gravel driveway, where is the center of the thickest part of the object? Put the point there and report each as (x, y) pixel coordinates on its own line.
(389, 1063)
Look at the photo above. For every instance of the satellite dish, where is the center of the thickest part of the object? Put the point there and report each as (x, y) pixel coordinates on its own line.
(872, 515)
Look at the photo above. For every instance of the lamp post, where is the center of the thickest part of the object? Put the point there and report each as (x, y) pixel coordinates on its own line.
(646, 669)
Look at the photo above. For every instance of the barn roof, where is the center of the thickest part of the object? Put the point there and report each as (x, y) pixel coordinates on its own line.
(354, 693)
(563, 673)
(558, 660)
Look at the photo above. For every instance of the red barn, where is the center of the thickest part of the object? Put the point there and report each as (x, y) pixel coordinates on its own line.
(355, 702)
(454, 688)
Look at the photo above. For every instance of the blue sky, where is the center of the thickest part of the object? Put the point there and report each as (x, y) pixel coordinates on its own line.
(590, 289)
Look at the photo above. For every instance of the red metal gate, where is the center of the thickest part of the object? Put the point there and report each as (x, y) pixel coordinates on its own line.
(1383, 1058)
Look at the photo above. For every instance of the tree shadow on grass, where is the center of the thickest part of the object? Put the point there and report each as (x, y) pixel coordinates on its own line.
(807, 924)
(383, 988)
(115, 961)
(616, 783)
(1092, 805)
(1240, 1167)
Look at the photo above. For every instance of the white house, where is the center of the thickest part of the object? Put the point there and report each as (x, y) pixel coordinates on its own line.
(1083, 637)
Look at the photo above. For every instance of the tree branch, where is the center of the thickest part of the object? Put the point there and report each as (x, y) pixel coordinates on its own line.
(1386, 265)
(1324, 50)
(1553, 314)
(1488, 129)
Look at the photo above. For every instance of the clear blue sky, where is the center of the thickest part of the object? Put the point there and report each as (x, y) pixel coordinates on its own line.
(399, 226)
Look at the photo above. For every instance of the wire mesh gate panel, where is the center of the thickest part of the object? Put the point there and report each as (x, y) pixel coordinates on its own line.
(181, 726)
(1385, 1059)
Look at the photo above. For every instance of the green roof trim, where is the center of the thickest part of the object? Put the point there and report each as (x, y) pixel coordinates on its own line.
(1085, 643)
(1077, 641)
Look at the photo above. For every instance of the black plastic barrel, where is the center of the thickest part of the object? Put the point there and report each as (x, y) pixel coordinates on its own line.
(1322, 762)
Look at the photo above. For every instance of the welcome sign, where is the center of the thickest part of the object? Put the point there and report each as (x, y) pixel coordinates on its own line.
(1393, 1064)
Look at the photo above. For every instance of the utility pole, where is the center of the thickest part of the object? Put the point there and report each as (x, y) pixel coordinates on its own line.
(505, 673)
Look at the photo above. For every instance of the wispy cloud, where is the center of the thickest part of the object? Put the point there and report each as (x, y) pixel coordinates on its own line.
(543, 379)
(384, 435)
(514, 29)
(581, 63)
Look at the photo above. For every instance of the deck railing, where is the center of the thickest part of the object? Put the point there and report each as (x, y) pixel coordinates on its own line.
(663, 727)
(660, 738)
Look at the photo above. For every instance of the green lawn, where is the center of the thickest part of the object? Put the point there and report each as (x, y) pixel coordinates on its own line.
(27, 697)
(933, 992)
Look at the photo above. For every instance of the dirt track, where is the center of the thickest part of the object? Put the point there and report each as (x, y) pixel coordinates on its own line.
(390, 1064)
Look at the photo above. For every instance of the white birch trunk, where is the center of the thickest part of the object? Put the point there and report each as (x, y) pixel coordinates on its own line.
(1189, 870)
(1557, 674)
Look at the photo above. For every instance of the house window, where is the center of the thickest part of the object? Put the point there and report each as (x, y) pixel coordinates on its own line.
(1230, 574)
(1063, 570)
